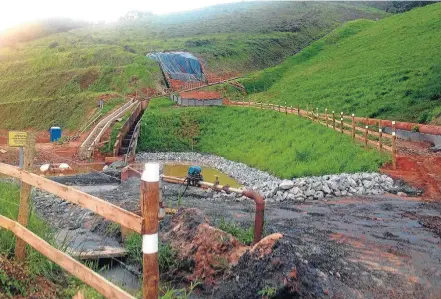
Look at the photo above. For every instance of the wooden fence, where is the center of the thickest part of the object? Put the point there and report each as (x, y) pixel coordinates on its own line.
(145, 225)
(366, 130)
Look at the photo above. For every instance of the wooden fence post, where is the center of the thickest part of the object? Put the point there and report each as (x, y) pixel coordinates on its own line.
(366, 132)
(333, 119)
(286, 109)
(279, 107)
(298, 109)
(261, 106)
(353, 126)
(307, 110)
(25, 192)
(317, 114)
(380, 136)
(326, 117)
(341, 124)
(394, 146)
(149, 210)
(291, 109)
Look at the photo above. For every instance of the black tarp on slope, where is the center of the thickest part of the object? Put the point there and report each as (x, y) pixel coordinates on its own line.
(179, 65)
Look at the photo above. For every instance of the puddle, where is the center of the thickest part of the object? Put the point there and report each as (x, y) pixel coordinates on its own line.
(123, 278)
(209, 174)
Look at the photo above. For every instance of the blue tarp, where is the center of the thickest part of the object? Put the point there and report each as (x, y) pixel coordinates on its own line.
(179, 65)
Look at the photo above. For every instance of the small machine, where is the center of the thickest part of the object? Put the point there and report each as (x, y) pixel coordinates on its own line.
(194, 175)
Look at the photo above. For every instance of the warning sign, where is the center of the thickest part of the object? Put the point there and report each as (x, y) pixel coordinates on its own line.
(17, 139)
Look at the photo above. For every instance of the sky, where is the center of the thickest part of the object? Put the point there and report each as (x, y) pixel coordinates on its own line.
(13, 12)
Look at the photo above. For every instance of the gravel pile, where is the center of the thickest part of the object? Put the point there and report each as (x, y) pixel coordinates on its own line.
(298, 189)
(334, 186)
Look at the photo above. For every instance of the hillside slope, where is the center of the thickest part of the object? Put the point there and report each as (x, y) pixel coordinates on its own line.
(385, 69)
(68, 71)
(285, 146)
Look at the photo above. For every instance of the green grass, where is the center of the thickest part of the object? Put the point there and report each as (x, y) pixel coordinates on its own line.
(9, 203)
(64, 84)
(244, 235)
(61, 75)
(36, 264)
(167, 256)
(385, 69)
(286, 146)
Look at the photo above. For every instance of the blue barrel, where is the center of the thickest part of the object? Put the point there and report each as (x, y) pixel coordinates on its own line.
(55, 133)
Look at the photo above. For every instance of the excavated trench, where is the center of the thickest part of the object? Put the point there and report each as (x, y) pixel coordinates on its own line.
(355, 247)
(127, 139)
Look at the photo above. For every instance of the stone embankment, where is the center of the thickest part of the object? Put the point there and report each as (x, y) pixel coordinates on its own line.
(297, 189)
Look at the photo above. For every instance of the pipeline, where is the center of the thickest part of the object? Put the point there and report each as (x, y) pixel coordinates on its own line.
(259, 218)
(256, 197)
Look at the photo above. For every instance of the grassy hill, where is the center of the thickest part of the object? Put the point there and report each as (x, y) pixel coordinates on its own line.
(286, 146)
(62, 74)
(385, 69)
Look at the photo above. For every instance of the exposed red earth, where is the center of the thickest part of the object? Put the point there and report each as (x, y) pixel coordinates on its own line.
(419, 167)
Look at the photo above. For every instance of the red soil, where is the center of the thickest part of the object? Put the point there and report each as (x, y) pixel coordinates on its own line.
(417, 166)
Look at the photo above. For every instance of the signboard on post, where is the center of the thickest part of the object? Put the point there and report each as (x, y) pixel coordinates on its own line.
(17, 139)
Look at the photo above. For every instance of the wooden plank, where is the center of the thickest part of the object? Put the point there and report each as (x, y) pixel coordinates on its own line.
(106, 252)
(95, 204)
(83, 273)
(25, 196)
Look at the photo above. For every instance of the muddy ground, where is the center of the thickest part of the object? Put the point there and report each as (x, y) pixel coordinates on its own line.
(360, 247)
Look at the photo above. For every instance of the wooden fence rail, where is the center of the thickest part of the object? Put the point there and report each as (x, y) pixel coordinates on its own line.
(95, 204)
(85, 274)
(145, 225)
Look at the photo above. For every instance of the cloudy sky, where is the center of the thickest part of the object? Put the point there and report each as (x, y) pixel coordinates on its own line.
(13, 12)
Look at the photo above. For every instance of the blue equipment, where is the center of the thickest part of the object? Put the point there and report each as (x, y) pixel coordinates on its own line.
(194, 170)
(55, 133)
(194, 175)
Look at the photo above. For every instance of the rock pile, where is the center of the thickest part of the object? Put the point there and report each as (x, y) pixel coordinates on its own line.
(332, 186)
(299, 189)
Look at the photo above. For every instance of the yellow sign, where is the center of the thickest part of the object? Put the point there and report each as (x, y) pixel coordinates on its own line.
(17, 139)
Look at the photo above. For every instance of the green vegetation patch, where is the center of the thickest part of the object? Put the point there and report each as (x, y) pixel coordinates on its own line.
(9, 204)
(385, 69)
(46, 86)
(286, 146)
(244, 235)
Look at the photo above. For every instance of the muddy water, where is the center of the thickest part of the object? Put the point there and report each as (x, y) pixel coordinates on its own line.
(209, 174)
